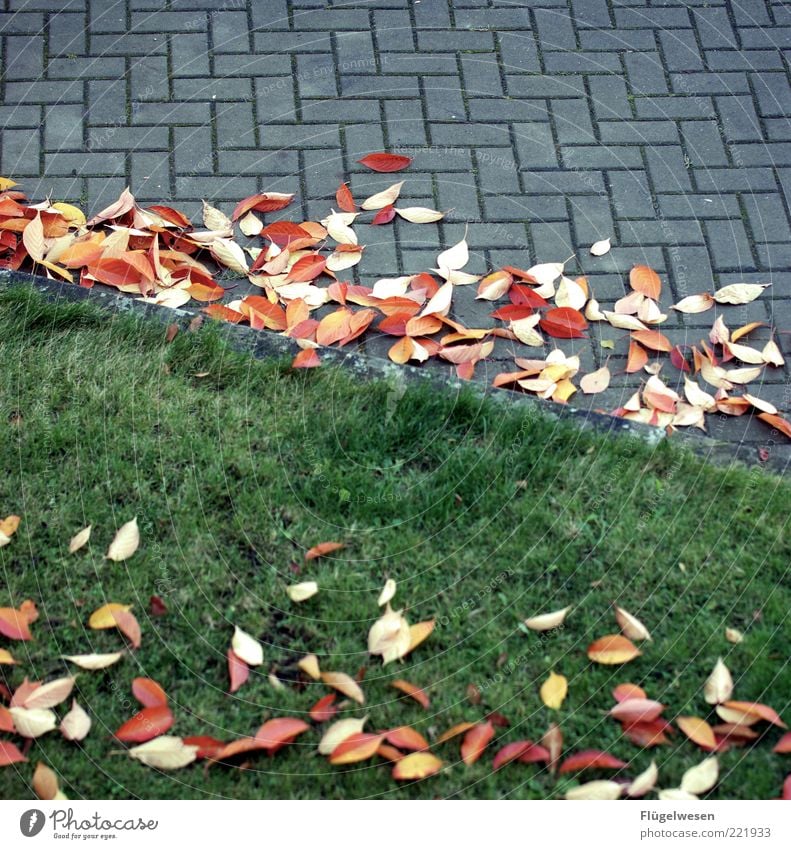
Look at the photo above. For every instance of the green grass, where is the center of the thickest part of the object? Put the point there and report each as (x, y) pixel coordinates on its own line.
(483, 514)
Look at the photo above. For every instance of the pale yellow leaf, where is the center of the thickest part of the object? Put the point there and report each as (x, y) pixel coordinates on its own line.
(80, 539)
(739, 293)
(164, 752)
(247, 648)
(547, 621)
(125, 543)
(338, 732)
(601, 247)
(302, 591)
(719, 685)
(76, 724)
(384, 198)
(701, 778)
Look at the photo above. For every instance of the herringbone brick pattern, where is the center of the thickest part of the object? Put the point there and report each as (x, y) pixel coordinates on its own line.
(542, 125)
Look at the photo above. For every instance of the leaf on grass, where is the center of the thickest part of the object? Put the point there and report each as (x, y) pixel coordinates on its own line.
(355, 748)
(275, 733)
(338, 732)
(94, 661)
(51, 694)
(590, 759)
(145, 725)
(475, 742)
(701, 778)
(165, 753)
(247, 648)
(413, 691)
(553, 691)
(310, 666)
(322, 549)
(127, 624)
(125, 543)
(596, 790)
(80, 539)
(10, 754)
(148, 692)
(45, 783)
(324, 709)
(698, 730)
(420, 632)
(344, 684)
(633, 710)
(76, 724)
(612, 649)
(631, 626)
(644, 783)
(14, 624)
(406, 737)
(33, 722)
(719, 685)
(302, 591)
(389, 637)
(416, 766)
(547, 621)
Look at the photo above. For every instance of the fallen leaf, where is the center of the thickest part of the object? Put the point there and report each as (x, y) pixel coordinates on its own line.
(384, 198)
(247, 648)
(420, 632)
(694, 303)
(322, 549)
(275, 733)
(739, 293)
(345, 684)
(165, 753)
(590, 759)
(646, 281)
(701, 778)
(596, 790)
(310, 666)
(475, 742)
(719, 685)
(10, 754)
(612, 649)
(389, 637)
(416, 766)
(698, 730)
(45, 783)
(80, 539)
(148, 692)
(76, 724)
(145, 725)
(419, 214)
(547, 621)
(554, 690)
(601, 247)
(303, 591)
(595, 381)
(50, 695)
(644, 783)
(338, 732)
(355, 748)
(94, 661)
(125, 542)
(385, 162)
(631, 626)
(636, 710)
(412, 691)
(324, 709)
(33, 722)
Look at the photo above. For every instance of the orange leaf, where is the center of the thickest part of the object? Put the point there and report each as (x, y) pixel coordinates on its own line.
(628, 691)
(334, 327)
(420, 632)
(777, 422)
(402, 350)
(653, 339)
(756, 709)
(475, 742)
(457, 729)
(698, 730)
(590, 759)
(412, 691)
(266, 202)
(417, 765)
(647, 734)
(783, 745)
(275, 733)
(385, 162)
(323, 548)
(148, 692)
(357, 747)
(646, 281)
(283, 232)
(637, 358)
(145, 725)
(14, 624)
(220, 312)
(612, 649)
(344, 199)
(307, 358)
(307, 268)
(405, 737)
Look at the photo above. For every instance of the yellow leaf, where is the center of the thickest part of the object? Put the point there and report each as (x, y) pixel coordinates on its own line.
(382, 199)
(74, 215)
(303, 591)
(165, 753)
(76, 724)
(80, 539)
(420, 632)
(104, 616)
(344, 684)
(45, 782)
(547, 621)
(247, 648)
(417, 765)
(554, 690)
(94, 661)
(338, 732)
(310, 666)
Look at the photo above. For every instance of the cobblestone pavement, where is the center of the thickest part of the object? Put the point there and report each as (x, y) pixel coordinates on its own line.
(542, 125)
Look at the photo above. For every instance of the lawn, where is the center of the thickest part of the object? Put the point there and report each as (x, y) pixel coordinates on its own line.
(483, 513)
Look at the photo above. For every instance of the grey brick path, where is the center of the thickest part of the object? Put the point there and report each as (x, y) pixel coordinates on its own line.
(544, 125)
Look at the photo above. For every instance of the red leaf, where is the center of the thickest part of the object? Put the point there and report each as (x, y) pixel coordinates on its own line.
(678, 359)
(385, 162)
(475, 742)
(511, 752)
(156, 606)
(238, 671)
(145, 725)
(324, 709)
(344, 199)
(525, 296)
(385, 215)
(647, 734)
(564, 323)
(260, 203)
(535, 754)
(208, 747)
(590, 759)
(283, 232)
(513, 312)
(148, 692)
(786, 794)
(9, 754)
(174, 216)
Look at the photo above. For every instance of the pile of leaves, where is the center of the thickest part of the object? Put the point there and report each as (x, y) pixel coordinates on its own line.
(27, 710)
(157, 254)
